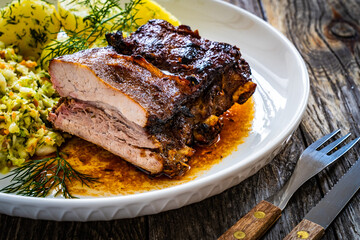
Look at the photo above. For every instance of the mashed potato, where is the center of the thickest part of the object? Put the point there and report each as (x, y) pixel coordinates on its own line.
(26, 97)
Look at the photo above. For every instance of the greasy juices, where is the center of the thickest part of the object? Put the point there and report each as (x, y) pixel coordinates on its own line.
(117, 177)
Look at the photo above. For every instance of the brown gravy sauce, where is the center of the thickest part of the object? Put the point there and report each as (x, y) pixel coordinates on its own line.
(117, 177)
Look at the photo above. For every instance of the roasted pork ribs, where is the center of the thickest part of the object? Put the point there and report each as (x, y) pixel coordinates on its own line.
(150, 97)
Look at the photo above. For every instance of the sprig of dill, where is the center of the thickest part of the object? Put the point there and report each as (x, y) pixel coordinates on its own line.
(37, 178)
(99, 21)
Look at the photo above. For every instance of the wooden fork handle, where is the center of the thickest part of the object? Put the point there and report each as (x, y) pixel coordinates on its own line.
(306, 230)
(255, 223)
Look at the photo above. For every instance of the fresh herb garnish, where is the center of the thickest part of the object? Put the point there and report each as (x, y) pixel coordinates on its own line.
(109, 16)
(37, 178)
(12, 20)
(39, 36)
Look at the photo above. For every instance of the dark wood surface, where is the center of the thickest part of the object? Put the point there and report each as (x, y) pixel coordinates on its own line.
(327, 34)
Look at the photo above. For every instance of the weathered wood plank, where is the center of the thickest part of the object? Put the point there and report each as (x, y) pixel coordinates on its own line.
(21, 228)
(327, 35)
(253, 6)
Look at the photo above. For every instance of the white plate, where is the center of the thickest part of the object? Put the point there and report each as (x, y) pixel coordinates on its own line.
(280, 101)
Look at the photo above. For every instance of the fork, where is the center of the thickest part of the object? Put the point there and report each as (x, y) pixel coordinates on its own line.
(313, 160)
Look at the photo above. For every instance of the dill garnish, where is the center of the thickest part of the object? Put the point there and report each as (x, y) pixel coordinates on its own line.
(37, 178)
(12, 20)
(39, 36)
(104, 16)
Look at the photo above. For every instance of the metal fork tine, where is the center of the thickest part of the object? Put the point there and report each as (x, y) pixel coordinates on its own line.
(310, 163)
(332, 145)
(344, 149)
(324, 139)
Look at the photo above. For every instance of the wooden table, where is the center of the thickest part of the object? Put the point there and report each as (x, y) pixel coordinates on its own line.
(327, 34)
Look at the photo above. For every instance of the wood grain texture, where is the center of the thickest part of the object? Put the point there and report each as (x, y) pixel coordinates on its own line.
(21, 228)
(328, 40)
(306, 230)
(255, 223)
(326, 33)
(253, 6)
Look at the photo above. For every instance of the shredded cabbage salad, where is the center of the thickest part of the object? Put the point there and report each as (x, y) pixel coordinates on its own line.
(26, 97)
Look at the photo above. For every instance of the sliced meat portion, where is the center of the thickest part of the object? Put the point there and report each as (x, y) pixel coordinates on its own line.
(151, 97)
(129, 84)
(110, 130)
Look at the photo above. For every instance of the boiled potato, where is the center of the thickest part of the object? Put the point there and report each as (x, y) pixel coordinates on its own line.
(149, 9)
(29, 24)
(46, 53)
(72, 14)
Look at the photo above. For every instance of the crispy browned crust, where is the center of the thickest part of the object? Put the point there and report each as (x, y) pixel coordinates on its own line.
(182, 81)
(207, 65)
(158, 93)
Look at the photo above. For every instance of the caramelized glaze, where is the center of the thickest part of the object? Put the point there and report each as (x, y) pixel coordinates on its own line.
(117, 177)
